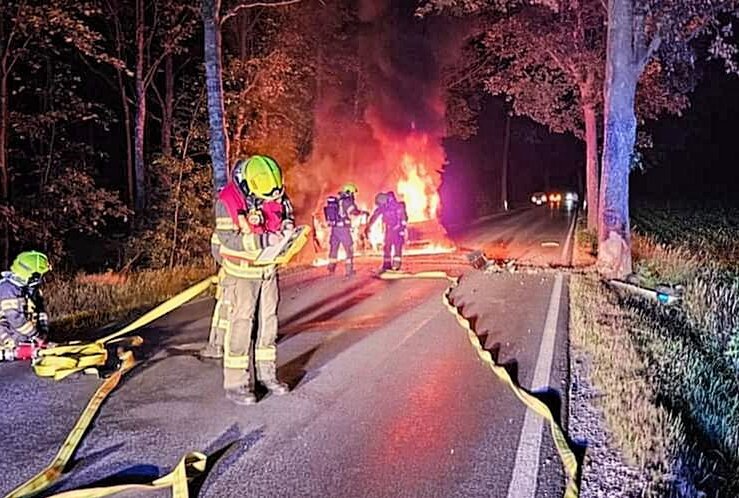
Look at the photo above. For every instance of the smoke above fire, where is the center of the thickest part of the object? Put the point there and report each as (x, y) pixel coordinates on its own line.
(380, 122)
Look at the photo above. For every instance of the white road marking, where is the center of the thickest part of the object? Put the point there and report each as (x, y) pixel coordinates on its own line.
(568, 241)
(526, 469)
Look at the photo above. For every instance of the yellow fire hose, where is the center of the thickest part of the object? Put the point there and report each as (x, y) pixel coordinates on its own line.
(569, 461)
(61, 361)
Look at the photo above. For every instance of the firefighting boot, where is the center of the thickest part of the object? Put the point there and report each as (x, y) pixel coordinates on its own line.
(267, 374)
(211, 352)
(350, 269)
(241, 396)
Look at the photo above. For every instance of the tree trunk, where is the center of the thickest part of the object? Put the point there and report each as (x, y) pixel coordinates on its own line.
(614, 248)
(168, 111)
(214, 89)
(504, 169)
(140, 190)
(591, 164)
(127, 125)
(4, 171)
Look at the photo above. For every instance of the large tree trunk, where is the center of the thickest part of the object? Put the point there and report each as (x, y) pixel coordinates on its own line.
(214, 89)
(168, 111)
(504, 169)
(140, 110)
(591, 164)
(614, 248)
(4, 170)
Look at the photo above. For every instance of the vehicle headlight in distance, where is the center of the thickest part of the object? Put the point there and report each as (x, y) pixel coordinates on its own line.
(569, 196)
(533, 199)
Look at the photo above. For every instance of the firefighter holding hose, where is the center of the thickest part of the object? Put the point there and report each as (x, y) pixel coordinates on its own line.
(395, 222)
(339, 211)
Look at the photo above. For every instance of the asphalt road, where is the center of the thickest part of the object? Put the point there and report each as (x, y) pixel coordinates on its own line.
(388, 396)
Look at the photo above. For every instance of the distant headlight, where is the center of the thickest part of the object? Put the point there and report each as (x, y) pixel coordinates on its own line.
(534, 199)
(569, 196)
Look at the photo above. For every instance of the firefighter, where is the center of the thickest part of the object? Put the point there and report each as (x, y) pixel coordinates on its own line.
(23, 318)
(395, 224)
(262, 215)
(338, 212)
(251, 213)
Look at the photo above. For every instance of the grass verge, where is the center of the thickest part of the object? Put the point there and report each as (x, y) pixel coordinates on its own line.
(83, 303)
(669, 375)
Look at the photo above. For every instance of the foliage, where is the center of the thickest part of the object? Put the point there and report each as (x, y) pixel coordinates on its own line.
(547, 59)
(177, 230)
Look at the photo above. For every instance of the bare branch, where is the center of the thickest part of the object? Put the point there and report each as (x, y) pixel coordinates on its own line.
(154, 67)
(252, 5)
(158, 95)
(644, 58)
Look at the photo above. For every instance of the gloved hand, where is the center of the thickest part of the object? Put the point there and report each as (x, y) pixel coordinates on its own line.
(274, 238)
(254, 217)
(288, 225)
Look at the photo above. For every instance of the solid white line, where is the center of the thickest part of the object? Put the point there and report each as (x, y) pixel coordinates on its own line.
(526, 468)
(568, 242)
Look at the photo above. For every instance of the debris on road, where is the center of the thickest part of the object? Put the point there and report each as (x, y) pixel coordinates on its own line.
(478, 261)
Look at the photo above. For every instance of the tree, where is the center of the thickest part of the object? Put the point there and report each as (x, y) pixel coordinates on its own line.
(29, 28)
(213, 20)
(638, 32)
(160, 32)
(548, 60)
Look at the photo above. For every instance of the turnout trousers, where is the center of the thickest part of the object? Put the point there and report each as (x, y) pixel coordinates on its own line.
(392, 250)
(243, 301)
(341, 236)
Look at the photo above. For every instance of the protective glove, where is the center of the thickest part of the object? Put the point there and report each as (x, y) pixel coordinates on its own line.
(254, 217)
(274, 238)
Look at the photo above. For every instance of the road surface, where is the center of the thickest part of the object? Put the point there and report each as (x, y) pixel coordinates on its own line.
(389, 398)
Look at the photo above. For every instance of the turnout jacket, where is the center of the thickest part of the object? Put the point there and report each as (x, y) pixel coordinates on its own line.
(22, 313)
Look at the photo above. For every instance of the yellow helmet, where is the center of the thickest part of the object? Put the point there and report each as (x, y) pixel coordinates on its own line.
(30, 266)
(262, 176)
(349, 188)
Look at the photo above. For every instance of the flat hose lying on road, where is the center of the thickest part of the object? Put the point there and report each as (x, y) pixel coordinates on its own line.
(62, 361)
(569, 460)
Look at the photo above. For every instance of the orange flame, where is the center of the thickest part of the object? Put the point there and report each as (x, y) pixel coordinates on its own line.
(418, 191)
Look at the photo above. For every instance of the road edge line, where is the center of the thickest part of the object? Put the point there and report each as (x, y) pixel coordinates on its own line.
(524, 477)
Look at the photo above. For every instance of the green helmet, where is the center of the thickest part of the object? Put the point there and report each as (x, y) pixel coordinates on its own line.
(30, 266)
(349, 188)
(263, 177)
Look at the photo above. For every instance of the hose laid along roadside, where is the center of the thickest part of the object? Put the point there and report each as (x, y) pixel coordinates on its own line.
(110, 355)
(569, 460)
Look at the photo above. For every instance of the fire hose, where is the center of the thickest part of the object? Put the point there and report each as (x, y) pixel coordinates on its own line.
(109, 356)
(569, 460)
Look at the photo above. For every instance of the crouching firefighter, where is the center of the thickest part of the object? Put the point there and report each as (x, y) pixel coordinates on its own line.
(395, 224)
(252, 212)
(23, 319)
(338, 212)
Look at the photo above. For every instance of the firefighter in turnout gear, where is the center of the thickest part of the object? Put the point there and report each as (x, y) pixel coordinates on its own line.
(338, 212)
(23, 319)
(252, 212)
(395, 224)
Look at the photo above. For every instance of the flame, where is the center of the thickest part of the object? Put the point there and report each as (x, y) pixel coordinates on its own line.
(418, 191)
